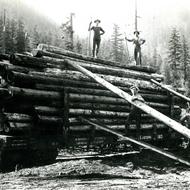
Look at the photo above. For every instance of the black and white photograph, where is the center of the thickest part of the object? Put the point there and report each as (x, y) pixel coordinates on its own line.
(94, 95)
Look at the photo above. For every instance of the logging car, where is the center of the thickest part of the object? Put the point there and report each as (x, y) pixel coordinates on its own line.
(48, 93)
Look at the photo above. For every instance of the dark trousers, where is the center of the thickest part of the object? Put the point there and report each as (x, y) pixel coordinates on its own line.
(135, 114)
(137, 55)
(96, 45)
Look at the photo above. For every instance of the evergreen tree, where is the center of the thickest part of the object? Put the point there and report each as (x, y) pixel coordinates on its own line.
(28, 43)
(174, 56)
(78, 47)
(8, 41)
(46, 38)
(154, 59)
(56, 40)
(35, 39)
(117, 51)
(185, 59)
(67, 33)
(167, 74)
(20, 39)
(13, 32)
(106, 48)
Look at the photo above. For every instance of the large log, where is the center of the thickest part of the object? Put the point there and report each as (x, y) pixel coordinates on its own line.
(132, 127)
(99, 69)
(83, 98)
(17, 126)
(99, 106)
(5, 67)
(74, 75)
(73, 85)
(18, 79)
(139, 104)
(97, 113)
(50, 120)
(58, 51)
(18, 106)
(29, 61)
(34, 94)
(48, 111)
(15, 117)
(113, 121)
(121, 108)
(26, 105)
(99, 92)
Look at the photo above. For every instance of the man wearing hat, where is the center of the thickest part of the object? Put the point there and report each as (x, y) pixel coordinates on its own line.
(137, 51)
(98, 31)
(135, 113)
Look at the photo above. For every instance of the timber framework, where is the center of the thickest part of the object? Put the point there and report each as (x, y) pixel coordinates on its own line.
(57, 98)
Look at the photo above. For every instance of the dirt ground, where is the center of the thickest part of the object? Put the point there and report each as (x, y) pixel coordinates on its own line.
(99, 174)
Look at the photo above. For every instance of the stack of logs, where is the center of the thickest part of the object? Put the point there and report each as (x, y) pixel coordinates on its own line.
(43, 94)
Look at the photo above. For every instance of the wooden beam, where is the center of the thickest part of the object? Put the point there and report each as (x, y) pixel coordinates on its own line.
(143, 144)
(171, 90)
(139, 104)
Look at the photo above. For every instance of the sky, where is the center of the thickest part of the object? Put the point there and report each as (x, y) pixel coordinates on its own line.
(120, 12)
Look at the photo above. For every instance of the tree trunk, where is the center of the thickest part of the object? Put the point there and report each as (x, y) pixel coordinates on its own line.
(34, 94)
(118, 81)
(15, 117)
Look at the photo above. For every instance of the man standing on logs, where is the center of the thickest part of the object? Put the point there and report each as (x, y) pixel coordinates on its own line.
(135, 113)
(98, 31)
(137, 41)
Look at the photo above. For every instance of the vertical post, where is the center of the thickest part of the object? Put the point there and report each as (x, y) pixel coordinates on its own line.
(167, 136)
(138, 125)
(65, 116)
(154, 132)
(136, 15)
(4, 29)
(171, 105)
(92, 130)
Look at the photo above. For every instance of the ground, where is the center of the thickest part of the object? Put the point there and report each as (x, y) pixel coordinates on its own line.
(113, 173)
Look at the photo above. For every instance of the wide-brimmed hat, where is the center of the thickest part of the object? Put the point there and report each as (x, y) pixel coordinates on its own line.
(136, 32)
(134, 87)
(97, 20)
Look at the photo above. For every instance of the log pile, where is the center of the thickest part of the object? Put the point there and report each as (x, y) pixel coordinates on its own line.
(43, 94)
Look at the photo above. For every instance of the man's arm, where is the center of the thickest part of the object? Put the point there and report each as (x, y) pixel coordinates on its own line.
(143, 41)
(129, 40)
(102, 31)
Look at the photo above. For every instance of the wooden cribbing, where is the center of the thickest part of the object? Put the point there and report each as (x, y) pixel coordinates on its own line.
(47, 62)
(143, 144)
(139, 104)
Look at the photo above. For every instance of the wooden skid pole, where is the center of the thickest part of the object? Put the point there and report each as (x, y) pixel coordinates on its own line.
(143, 144)
(142, 106)
(171, 90)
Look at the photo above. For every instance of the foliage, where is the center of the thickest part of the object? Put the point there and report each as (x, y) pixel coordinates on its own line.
(117, 51)
(20, 39)
(174, 56)
(185, 59)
